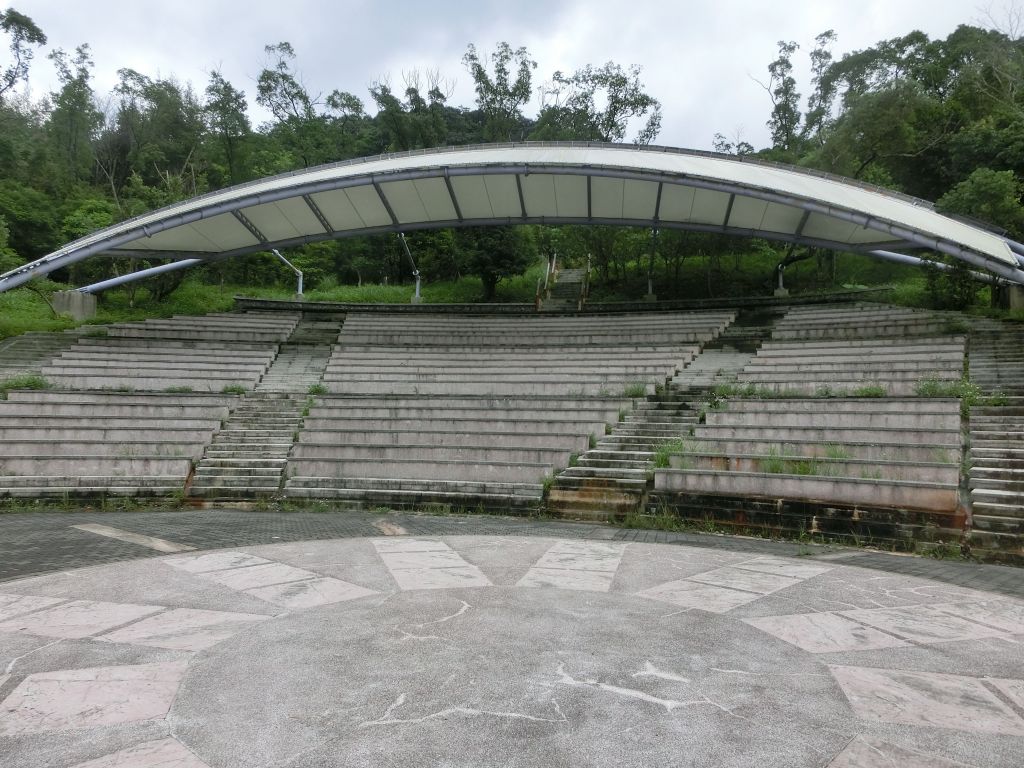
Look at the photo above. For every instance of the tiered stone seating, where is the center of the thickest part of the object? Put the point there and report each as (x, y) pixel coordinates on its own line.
(857, 321)
(204, 354)
(58, 443)
(27, 353)
(469, 409)
(893, 454)
(539, 356)
(841, 350)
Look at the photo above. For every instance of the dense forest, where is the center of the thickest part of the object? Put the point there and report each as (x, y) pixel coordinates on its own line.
(938, 119)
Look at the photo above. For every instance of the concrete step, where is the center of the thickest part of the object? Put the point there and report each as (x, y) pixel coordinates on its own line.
(1005, 498)
(235, 481)
(239, 470)
(242, 493)
(246, 463)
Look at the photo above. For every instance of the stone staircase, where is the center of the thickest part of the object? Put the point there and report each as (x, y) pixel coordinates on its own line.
(248, 456)
(611, 479)
(302, 359)
(996, 477)
(567, 293)
(28, 353)
(725, 356)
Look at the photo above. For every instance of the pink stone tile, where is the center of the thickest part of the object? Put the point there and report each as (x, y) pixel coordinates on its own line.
(440, 578)
(215, 561)
(165, 753)
(83, 698)
(15, 605)
(438, 559)
(1005, 615)
(781, 566)
(254, 576)
(704, 597)
(824, 633)
(867, 752)
(183, 629)
(1011, 689)
(566, 578)
(296, 595)
(922, 624)
(409, 545)
(77, 619)
(583, 556)
(748, 581)
(926, 698)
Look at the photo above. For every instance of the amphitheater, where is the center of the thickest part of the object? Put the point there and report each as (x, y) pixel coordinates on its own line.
(303, 591)
(800, 419)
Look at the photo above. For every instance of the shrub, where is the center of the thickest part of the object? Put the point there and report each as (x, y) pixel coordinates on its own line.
(316, 389)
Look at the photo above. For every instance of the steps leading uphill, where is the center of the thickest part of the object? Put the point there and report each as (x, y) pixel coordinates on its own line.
(247, 457)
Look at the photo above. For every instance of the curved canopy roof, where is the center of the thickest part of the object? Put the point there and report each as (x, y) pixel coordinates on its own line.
(553, 183)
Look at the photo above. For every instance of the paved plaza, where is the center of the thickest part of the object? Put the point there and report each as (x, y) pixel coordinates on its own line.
(476, 641)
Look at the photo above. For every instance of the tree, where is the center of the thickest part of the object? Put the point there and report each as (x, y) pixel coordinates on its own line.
(570, 106)
(502, 95)
(784, 122)
(74, 119)
(819, 104)
(8, 258)
(494, 253)
(226, 118)
(24, 34)
(417, 122)
(991, 196)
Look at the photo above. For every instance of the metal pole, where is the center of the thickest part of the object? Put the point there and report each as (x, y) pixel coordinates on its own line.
(415, 272)
(650, 265)
(293, 268)
(140, 275)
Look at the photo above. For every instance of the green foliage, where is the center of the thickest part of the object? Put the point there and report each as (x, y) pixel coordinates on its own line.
(180, 389)
(837, 451)
(596, 103)
(24, 35)
(25, 381)
(992, 196)
(496, 253)
(234, 389)
(636, 389)
(966, 390)
(317, 389)
(870, 390)
(669, 448)
(501, 92)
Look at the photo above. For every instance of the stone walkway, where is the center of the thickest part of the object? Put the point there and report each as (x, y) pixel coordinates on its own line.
(224, 639)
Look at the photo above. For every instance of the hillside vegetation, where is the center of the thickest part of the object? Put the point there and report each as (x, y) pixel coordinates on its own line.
(940, 119)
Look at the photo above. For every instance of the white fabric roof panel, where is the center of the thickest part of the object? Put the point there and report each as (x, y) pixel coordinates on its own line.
(624, 184)
(284, 219)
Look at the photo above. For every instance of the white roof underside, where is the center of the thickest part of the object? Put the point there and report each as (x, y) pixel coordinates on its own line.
(558, 183)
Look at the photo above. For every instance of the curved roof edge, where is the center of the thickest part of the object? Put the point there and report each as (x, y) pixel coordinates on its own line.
(541, 182)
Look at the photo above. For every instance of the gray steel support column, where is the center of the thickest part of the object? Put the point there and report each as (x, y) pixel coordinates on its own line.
(142, 274)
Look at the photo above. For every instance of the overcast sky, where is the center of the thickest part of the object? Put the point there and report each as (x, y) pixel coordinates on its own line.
(698, 56)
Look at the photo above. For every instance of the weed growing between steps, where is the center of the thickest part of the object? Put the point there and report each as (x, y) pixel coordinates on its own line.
(965, 390)
(27, 381)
